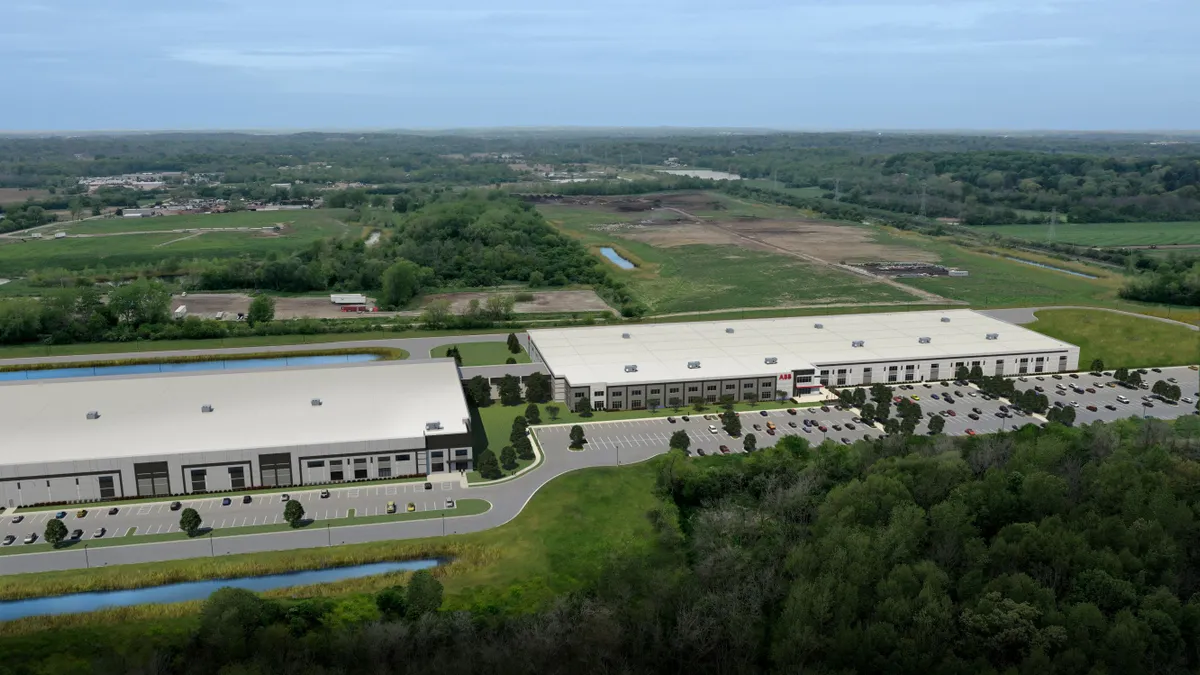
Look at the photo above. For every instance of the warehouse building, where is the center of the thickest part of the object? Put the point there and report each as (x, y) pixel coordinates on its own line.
(159, 435)
(647, 365)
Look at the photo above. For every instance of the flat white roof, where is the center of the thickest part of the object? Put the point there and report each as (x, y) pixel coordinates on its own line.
(661, 351)
(46, 420)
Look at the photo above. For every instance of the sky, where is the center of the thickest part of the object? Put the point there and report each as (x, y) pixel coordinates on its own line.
(425, 64)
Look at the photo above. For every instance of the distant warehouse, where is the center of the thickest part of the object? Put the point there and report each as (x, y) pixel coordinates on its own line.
(160, 435)
(645, 365)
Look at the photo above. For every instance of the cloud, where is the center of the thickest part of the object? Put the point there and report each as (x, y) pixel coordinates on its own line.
(294, 59)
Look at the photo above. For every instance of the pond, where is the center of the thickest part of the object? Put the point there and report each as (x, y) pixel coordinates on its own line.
(1051, 267)
(702, 173)
(230, 364)
(195, 590)
(616, 258)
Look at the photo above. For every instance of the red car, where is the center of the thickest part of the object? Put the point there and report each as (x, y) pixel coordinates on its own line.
(896, 399)
(822, 428)
(970, 432)
(951, 413)
(1092, 408)
(724, 449)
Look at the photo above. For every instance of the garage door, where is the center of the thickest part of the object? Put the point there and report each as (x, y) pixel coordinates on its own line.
(152, 479)
(276, 469)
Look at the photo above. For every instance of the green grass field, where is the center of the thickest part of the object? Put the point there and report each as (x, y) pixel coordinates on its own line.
(706, 277)
(1106, 234)
(255, 219)
(482, 353)
(1120, 340)
(150, 249)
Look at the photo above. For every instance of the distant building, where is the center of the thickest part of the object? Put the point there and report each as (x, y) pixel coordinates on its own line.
(959, 273)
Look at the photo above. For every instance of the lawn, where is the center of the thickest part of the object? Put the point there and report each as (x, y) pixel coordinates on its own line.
(562, 540)
(700, 277)
(482, 353)
(463, 507)
(323, 218)
(1106, 234)
(152, 249)
(1120, 340)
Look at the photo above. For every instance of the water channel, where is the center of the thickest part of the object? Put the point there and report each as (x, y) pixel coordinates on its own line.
(221, 364)
(616, 259)
(1051, 267)
(195, 590)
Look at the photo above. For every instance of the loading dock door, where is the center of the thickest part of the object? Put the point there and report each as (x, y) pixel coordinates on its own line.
(276, 469)
(152, 479)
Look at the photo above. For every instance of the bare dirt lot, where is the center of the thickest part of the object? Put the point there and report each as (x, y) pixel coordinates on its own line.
(316, 307)
(543, 302)
(18, 195)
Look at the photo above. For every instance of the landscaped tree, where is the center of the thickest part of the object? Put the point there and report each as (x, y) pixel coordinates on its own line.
(867, 412)
(189, 521)
(510, 361)
(487, 466)
(732, 422)
(1135, 379)
(976, 373)
(508, 458)
(880, 393)
(537, 388)
(523, 447)
(749, 443)
(751, 398)
(891, 426)
(577, 439)
(552, 410)
(480, 391)
(936, 424)
(1173, 392)
(1097, 365)
(520, 428)
(424, 594)
(698, 404)
(961, 373)
(453, 353)
(293, 513)
(680, 440)
(883, 411)
(262, 309)
(514, 345)
(674, 403)
(652, 405)
(510, 390)
(533, 415)
(584, 407)
(780, 394)
(1121, 374)
(860, 397)
(55, 532)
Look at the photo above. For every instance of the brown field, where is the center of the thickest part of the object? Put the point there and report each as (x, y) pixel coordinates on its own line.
(315, 307)
(18, 195)
(543, 302)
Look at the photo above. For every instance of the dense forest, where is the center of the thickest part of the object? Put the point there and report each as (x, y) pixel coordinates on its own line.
(1052, 551)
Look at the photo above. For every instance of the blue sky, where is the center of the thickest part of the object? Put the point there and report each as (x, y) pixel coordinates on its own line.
(820, 64)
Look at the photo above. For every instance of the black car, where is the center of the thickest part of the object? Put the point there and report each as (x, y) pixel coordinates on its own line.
(246, 499)
(175, 506)
(686, 418)
(824, 408)
(701, 452)
(792, 425)
(760, 412)
(75, 534)
(671, 419)
(114, 511)
(429, 486)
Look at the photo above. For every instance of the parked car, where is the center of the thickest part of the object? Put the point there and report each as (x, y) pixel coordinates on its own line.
(770, 432)
(951, 413)
(246, 499)
(791, 411)
(850, 426)
(226, 501)
(285, 497)
(822, 428)
(792, 425)
(1092, 408)
(31, 537)
(114, 511)
(762, 412)
(916, 398)
(391, 507)
(9, 539)
(973, 416)
(60, 515)
(977, 411)
(758, 427)
(1074, 404)
(824, 408)
(1110, 407)
(701, 452)
(449, 503)
(429, 486)
(936, 397)
(671, 419)
(76, 534)
(712, 428)
(724, 449)
(1075, 376)
(896, 399)
(411, 507)
(175, 506)
(81, 513)
(324, 494)
(1090, 390)
(771, 426)
(686, 418)
(17, 518)
(100, 532)
(970, 432)
(807, 430)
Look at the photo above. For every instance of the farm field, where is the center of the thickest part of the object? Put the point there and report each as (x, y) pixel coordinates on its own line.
(1107, 235)
(1121, 341)
(77, 253)
(20, 195)
(255, 219)
(702, 251)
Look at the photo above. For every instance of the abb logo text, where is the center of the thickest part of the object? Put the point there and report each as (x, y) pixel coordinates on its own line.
(785, 376)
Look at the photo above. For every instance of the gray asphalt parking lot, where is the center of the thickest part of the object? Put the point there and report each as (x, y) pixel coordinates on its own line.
(264, 509)
(1104, 395)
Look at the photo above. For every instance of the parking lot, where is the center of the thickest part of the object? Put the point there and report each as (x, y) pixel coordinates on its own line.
(264, 509)
(1104, 392)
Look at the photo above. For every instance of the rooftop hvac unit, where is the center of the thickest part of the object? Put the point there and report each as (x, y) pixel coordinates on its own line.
(857, 343)
(631, 369)
(693, 364)
(993, 336)
(433, 426)
(728, 330)
(924, 340)
(94, 415)
(771, 360)
(206, 408)
(818, 325)
(945, 319)
(316, 402)
(625, 335)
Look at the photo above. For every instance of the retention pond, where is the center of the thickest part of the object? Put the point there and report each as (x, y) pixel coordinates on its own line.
(616, 258)
(223, 364)
(195, 590)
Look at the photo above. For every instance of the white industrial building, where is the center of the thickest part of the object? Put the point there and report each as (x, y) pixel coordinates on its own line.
(627, 367)
(157, 435)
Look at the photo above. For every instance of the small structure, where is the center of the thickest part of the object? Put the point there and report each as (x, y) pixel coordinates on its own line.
(60, 235)
(959, 273)
(348, 299)
(180, 312)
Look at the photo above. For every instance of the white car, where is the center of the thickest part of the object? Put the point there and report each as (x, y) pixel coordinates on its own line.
(1186, 399)
(712, 429)
(1074, 404)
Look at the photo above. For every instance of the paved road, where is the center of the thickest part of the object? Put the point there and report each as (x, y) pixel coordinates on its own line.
(1025, 315)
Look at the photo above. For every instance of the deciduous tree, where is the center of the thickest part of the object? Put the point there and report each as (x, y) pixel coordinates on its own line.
(293, 513)
(55, 531)
(190, 522)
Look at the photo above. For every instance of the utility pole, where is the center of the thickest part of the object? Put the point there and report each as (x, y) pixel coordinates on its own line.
(211, 551)
(443, 523)
(328, 536)
(86, 561)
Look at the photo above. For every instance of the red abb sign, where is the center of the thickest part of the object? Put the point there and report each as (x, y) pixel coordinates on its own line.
(785, 376)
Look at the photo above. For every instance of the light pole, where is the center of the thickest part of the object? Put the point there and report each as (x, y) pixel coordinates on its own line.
(328, 536)
(86, 561)
(618, 455)
(211, 551)
(443, 523)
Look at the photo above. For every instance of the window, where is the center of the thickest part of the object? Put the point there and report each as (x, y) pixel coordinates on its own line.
(866, 379)
(693, 388)
(403, 458)
(673, 390)
(199, 480)
(711, 387)
(748, 385)
(579, 394)
(597, 394)
(636, 403)
(237, 477)
(999, 366)
(106, 488)
(841, 371)
(436, 453)
(385, 467)
(729, 387)
(654, 391)
(335, 470)
(615, 405)
(360, 468)
(635, 392)
(316, 464)
(976, 363)
(892, 375)
(615, 394)
(910, 367)
(440, 466)
(841, 378)
(461, 452)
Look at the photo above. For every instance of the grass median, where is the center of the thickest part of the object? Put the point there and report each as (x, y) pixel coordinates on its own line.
(482, 353)
(463, 507)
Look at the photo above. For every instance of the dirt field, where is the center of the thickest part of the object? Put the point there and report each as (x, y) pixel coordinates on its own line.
(18, 195)
(543, 302)
(208, 304)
